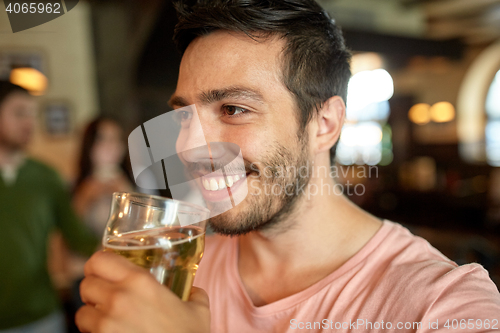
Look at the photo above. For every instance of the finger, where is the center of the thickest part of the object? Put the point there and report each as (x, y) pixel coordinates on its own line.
(199, 296)
(121, 273)
(109, 266)
(95, 290)
(87, 319)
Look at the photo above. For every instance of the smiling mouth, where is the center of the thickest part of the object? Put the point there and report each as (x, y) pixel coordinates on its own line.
(219, 183)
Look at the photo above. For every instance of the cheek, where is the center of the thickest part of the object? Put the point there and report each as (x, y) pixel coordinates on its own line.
(94, 154)
(112, 151)
(252, 142)
(29, 123)
(118, 150)
(3, 124)
(11, 126)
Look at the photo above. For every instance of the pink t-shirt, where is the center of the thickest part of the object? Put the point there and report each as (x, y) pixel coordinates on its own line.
(396, 283)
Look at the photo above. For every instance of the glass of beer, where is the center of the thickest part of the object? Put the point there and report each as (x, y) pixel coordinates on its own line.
(162, 235)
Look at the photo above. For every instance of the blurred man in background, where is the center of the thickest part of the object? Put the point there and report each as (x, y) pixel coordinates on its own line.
(33, 202)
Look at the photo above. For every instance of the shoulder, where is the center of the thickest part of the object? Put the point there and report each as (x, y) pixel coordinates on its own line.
(44, 176)
(406, 248)
(412, 259)
(462, 293)
(415, 271)
(41, 168)
(395, 259)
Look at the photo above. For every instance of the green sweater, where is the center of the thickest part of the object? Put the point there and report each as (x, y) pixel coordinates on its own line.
(30, 209)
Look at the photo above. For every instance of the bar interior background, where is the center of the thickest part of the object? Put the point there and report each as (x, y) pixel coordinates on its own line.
(423, 128)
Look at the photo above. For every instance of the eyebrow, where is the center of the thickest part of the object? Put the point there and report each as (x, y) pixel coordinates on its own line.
(217, 95)
(177, 101)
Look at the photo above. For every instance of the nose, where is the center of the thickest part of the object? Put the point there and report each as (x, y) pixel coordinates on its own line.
(191, 143)
(29, 124)
(199, 142)
(218, 150)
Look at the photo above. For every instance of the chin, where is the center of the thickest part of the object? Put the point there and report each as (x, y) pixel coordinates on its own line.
(231, 221)
(20, 145)
(24, 141)
(229, 214)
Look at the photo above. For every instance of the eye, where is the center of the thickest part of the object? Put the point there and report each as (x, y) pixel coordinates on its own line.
(232, 110)
(182, 117)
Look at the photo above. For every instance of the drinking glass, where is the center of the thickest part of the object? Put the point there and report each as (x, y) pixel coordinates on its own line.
(164, 236)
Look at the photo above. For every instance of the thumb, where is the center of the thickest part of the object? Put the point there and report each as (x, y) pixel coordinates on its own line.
(199, 296)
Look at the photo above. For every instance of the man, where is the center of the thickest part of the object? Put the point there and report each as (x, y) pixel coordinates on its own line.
(271, 77)
(33, 202)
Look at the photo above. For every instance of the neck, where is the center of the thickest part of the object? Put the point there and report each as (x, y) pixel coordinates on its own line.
(324, 231)
(8, 155)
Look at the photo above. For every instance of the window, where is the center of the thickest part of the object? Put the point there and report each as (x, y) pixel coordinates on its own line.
(492, 133)
(366, 136)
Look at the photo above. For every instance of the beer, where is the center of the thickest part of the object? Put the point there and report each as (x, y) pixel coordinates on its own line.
(171, 254)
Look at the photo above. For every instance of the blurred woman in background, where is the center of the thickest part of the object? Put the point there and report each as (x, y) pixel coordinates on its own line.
(102, 171)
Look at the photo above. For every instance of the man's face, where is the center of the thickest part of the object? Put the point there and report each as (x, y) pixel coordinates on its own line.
(17, 120)
(236, 86)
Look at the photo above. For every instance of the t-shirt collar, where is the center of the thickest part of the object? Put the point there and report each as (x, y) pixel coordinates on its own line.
(9, 172)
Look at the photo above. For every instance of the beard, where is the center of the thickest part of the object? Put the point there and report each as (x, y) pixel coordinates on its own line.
(12, 145)
(274, 202)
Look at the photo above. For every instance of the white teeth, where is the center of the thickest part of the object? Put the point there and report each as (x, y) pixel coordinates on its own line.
(229, 181)
(217, 184)
(206, 184)
(242, 175)
(213, 185)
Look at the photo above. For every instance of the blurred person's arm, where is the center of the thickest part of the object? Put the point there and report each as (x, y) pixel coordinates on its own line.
(78, 237)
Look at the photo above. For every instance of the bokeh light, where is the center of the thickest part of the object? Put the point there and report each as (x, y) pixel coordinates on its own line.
(493, 98)
(420, 113)
(492, 134)
(360, 144)
(30, 79)
(492, 131)
(369, 87)
(367, 111)
(442, 112)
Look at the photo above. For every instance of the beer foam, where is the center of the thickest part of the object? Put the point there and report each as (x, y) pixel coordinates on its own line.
(134, 243)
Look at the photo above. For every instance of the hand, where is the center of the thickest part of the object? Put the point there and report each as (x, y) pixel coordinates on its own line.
(122, 297)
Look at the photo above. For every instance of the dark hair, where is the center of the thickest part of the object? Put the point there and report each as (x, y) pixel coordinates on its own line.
(316, 60)
(88, 141)
(7, 88)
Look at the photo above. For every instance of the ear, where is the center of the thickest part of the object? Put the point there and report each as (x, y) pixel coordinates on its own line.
(330, 120)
